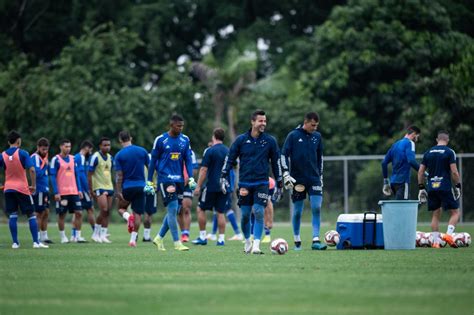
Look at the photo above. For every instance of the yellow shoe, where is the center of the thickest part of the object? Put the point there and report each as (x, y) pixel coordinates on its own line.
(158, 241)
(179, 246)
(267, 239)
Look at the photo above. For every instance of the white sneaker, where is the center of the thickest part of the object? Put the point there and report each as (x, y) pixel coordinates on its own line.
(105, 240)
(40, 245)
(236, 237)
(212, 237)
(64, 240)
(81, 240)
(96, 238)
(15, 245)
(247, 246)
(256, 251)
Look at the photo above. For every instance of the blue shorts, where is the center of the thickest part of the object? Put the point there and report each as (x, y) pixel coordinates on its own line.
(442, 198)
(172, 191)
(151, 204)
(248, 196)
(214, 200)
(68, 203)
(300, 191)
(41, 200)
(15, 200)
(136, 197)
(99, 192)
(86, 201)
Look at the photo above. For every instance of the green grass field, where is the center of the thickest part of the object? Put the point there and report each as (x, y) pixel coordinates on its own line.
(115, 279)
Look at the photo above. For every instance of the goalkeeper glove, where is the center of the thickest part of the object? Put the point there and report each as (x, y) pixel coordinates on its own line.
(288, 181)
(422, 194)
(191, 183)
(387, 191)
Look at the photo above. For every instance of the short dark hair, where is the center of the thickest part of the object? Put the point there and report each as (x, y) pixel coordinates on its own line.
(256, 113)
(13, 136)
(64, 141)
(86, 144)
(176, 118)
(413, 129)
(219, 134)
(103, 139)
(124, 136)
(443, 135)
(311, 116)
(42, 142)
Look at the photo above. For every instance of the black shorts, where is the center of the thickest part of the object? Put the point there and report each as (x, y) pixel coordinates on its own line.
(99, 192)
(442, 198)
(41, 200)
(151, 202)
(136, 197)
(15, 201)
(68, 203)
(300, 191)
(187, 192)
(172, 191)
(400, 190)
(86, 201)
(248, 196)
(214, 200)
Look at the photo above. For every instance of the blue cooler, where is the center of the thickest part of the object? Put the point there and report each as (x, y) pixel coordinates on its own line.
(360, 231)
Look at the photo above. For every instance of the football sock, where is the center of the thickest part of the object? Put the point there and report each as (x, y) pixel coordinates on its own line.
(450, 230)
(297, 238)
(126, 215)
(221, 238)
(214, 223)
(202, 234)
(103, 232)
(78, 233)
(267, 231)
(62, 234)
(435, 237)
(316, 201)
(256, 244)
(258, 226)
(316, 239)
(133, 236)
(146, 233)
(97, 228)
(233, 221)
(12, 223)
(296, 219)
(245, 221)
(185, 232)
(73, 232)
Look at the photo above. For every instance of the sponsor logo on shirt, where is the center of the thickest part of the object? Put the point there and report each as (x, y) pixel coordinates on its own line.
(317, 188)
(175, 155)
(174, 177)
(437, 151)
(300, 140)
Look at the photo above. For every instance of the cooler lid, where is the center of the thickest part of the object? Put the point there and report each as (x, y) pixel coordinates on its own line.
(357, 217)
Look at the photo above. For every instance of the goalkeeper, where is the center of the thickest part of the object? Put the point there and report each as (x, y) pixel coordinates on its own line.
(171, 151)
(302, 166)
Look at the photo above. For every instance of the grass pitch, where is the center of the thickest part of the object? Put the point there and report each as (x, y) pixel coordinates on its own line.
(114, 279)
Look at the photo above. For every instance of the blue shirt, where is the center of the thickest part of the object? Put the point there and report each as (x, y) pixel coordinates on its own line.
(402, 157)
(438, 162)
(302, 156)
(82, 166)
(42, 177)
(53, 171)
(254, 155)
(131, 161)
(213, 159)
(168, 156)
(24, 159)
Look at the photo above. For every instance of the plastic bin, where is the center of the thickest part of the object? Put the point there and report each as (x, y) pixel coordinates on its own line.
(399, 223)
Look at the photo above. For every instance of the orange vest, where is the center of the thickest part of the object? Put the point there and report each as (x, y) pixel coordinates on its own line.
(15, 175)
(66, 177)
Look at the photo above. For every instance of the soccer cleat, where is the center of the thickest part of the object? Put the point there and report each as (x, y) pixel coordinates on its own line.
(236, 237)
(267, 239)
(211, 237)
(15, 245)
(73, 239)
(435, 245)
(199, 241)
(257, 251)
(179, 246)
(184, 238)
(96, 238)
(132, 244)
(47, 241)
(40, 245)
(146, 240)
(131, 223)
(158, 241)
(64, 240)
(105, 240)
(81, 240)
(317, 245)
(247, 246)
(450, 240)
(220, 243)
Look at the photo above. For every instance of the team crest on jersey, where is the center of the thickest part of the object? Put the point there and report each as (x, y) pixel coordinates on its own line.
(175, 155)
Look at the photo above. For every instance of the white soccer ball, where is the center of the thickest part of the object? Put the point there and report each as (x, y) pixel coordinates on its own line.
(467, 238)
(279, 246)
(462, 239)
(332, 238)
(441, 242)
(424, 240)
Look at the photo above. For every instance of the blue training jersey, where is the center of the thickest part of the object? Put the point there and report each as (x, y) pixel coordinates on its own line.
(42, 176)
(213, 159)
(438, 162)
(24, 159)
(82, 166)
(131, 161)
(402, 157)
(169, 156)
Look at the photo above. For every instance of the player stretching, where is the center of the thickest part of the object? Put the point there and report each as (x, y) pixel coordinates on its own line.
(130, 164)
(41, 196)
(67, 190)
(440, 162)
(171, 151)
(303, 148)
(100, 180)
(402, 156)
(254, 149)
(211, 197)
(82, 162)
(16, 189)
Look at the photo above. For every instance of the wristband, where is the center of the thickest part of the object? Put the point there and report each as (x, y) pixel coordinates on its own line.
(421, 186)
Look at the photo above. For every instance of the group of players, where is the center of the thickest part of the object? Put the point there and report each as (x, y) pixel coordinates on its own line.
(298, 167)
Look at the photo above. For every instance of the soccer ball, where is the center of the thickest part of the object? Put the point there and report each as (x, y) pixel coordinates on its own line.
(467, 239)
(279, 246)
(462, 239)
(424, 240)
(332, 238)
